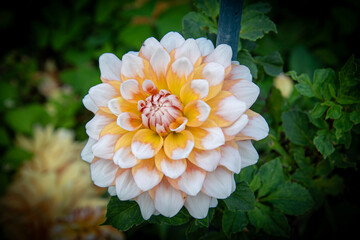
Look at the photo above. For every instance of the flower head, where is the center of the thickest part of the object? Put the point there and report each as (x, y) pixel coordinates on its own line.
(172, 125)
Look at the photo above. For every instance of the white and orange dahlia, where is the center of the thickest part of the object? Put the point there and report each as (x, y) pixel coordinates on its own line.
(172, 125)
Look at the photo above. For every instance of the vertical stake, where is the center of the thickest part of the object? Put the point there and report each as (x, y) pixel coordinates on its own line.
(230, 24)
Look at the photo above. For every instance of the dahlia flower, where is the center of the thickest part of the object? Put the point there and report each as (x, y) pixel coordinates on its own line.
(172, 125)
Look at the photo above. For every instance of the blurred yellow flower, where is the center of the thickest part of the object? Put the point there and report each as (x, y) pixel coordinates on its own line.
(284, 84)
(48, 199)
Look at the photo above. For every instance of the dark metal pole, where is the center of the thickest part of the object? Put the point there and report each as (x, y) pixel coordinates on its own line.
(229, 24)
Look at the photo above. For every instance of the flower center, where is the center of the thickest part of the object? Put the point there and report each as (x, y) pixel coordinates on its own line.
(158, 111)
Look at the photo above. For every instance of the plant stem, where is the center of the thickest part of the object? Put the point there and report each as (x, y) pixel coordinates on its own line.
(230, 24)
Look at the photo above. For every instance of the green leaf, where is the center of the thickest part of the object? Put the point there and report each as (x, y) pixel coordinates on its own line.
(291, 198)
(81, 78)
(271, 176)
(261, 7)
(349, 82)
(302, 60)
(318, 110)
(355, 117)
(343, 124)
(297, 128)
(272, 63)
(209, 7)
(323, 82)
(23, 119)
(323, 143)
(334, 112)
(196, 25)
(233, 222)
(122, 215)
(246, 59)
(180, 218)
(255, 24)
(242, 199)
(304, 85)
(272, 222)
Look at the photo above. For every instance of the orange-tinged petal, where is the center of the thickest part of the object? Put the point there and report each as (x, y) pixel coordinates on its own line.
(129, 121)
(178, 74)
(146, 175)
(159, 62)
(230, 156)
(171, 168)
(191, 181)
(246, 91)
(119, 105)
(178, 145)
(225, 108)
(149, 87)
(196, 112)
(179, 124)
(131, 91)
(123, 155)
(113, 129)
(146, 143)
(234, 129)
(214, 73)
(256, 129)
(205, 159)
(208, 136)
(194, 90)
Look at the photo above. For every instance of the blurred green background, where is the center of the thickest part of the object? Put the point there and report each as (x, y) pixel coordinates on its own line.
(49, 52)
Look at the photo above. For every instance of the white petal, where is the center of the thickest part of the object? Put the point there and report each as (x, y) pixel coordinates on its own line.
(201, 87)
(132, 66)
(172, 168)
(146, 178)
(230, 158)
(231, 108)
(218, 183)
(110, 66)
(198, 206)
(248, 153)
(172, 40)
(213, 202)
(124, 158)
(104, 148)
(168, 201)
(214, 73)
(257, 128)
(246, 92)
(87, 154)
(149, 47)
(206, 159)
(103, 172)
(146, 205)
(240, 72)
(160, 61)
(191, 181)
(126, 121)
(237, 126)
(114, 106)
(222, 55)
(126, 187)
(182, 66)
(112, 190)
(96, 124)
(188, 49)
(205, 45)
(129, 88)
(214, 139)
(102, 93)
(142, 150)
(90, 104)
